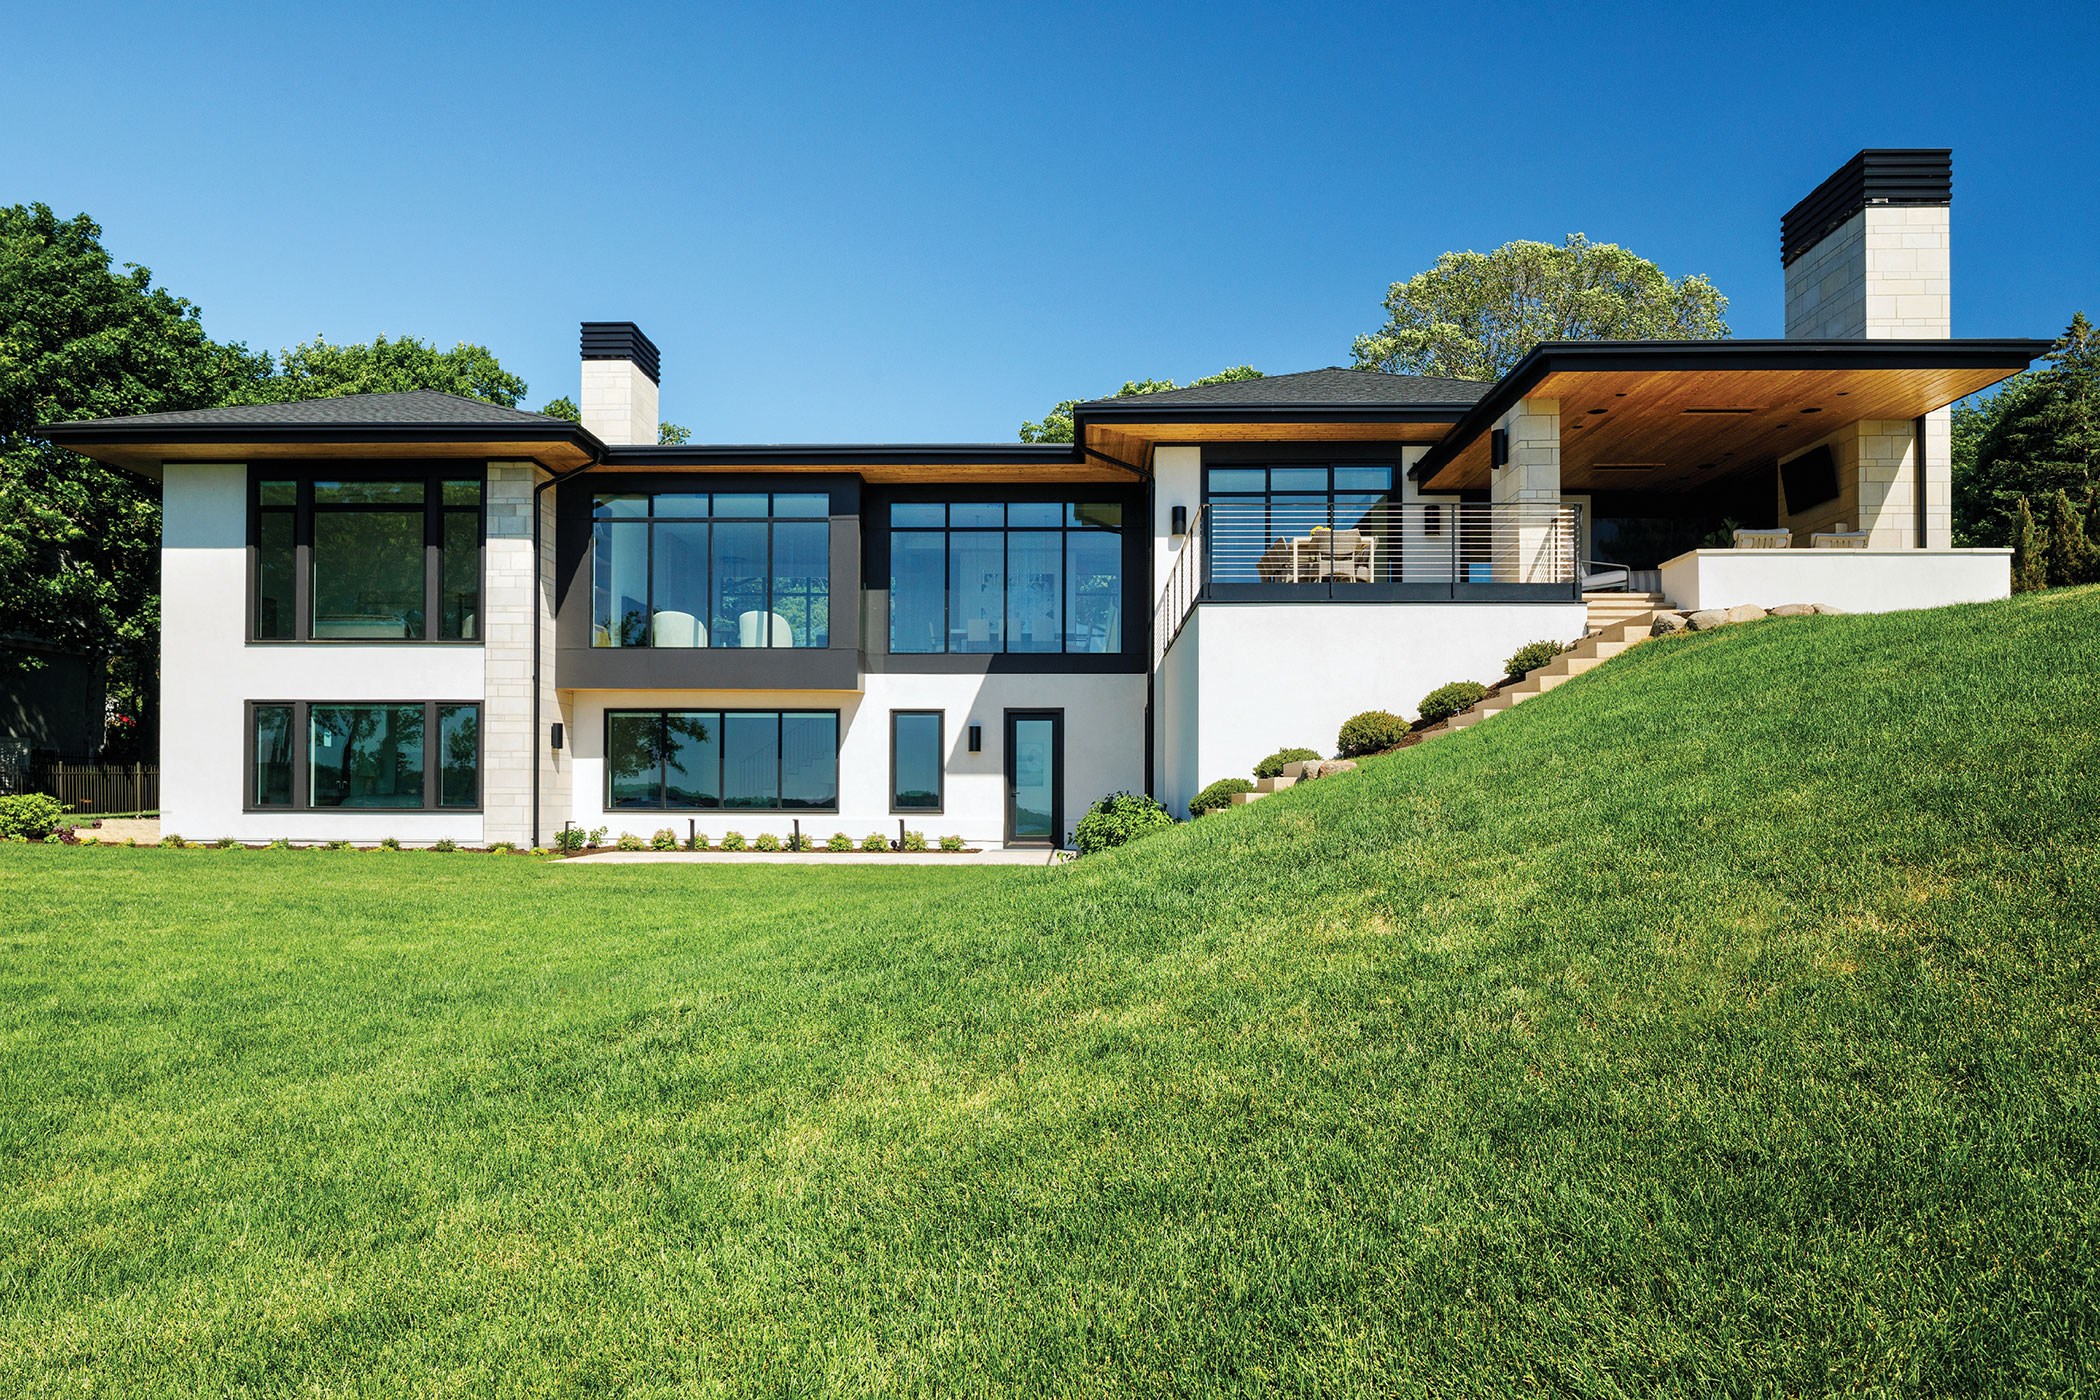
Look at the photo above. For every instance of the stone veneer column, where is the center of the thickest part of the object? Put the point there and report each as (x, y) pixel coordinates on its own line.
(511, 588)
(1525, 549)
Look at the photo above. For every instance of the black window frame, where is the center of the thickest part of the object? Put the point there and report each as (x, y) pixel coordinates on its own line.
(1066, 528)
(302, 734)
(649, 520)
(780, 715)
(303, 475)
(940, 763)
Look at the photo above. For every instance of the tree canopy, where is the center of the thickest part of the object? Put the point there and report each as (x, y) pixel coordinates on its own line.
(321, 370)
(2038, 434)
(667, 434)
(1473, 315)
(1057, 423)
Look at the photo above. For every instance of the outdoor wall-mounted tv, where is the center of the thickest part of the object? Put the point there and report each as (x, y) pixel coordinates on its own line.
(1809, 479)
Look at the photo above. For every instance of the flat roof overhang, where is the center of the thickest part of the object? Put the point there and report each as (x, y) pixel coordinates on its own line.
(145, 447)
(883, 463)
(1664, 415)
(1130, 434)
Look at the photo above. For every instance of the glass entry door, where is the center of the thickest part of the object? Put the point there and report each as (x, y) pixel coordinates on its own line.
(1035, 790)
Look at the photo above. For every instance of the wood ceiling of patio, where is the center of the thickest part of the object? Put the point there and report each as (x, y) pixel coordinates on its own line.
(1668, 420)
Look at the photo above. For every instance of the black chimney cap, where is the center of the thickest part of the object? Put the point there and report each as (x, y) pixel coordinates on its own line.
(620, 340)
(1874, 176)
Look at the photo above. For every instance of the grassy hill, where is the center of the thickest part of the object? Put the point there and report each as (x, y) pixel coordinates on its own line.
(1723, 1022)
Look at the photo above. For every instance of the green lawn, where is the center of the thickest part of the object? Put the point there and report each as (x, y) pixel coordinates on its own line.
(1724, 1022)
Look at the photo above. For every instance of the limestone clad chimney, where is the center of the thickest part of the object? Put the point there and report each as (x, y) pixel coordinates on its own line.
(619, 382)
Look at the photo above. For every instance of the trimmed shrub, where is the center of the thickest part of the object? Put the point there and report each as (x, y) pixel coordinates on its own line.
(766, 841)
(630, 842)
(282, 843)
(876, 841)
(732, 840)
(389, 843)
(1219, 794)
(697, 841)
(914, 840)
(951, 843)
(503, 848)
(1373, 731)
(225, 843)
(665, 839)
(171, 841)
(331, 846)
(1529, 657)
(1272, 766)
(839, 841)
(1117, 820)
(1448, 700)
(801, 842)
(30, 814)
(597, 837)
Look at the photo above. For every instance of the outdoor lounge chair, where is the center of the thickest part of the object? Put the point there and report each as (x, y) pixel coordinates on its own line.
(1603, 576)
(1764, 539)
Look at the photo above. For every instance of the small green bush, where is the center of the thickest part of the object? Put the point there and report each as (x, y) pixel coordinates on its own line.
(503, 848)
(839, 841)
(914, 840)
(1448, 700)
(338, 846)
(1272, 766)
(732, 840)
(1117, 820)
(90, 840)
(630, 842)
(1373, 731)
(1219, 794)
(443, 844)
(876, 841)
(225, 843)
(951, 843)
(171, 841)
(766, 841)
(1529, 657)
(597, 837)
(698, 841)
(282, 843)
(30, 814)
(665, 839)
(389, 843)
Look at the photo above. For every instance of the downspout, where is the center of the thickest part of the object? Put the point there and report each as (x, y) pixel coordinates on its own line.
(597, 460)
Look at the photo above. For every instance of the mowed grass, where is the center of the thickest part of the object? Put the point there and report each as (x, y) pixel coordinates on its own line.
(1724, 1022)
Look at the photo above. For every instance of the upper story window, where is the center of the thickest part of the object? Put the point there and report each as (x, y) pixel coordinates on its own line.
(711, 569)
(366, 557)
(1017, 576)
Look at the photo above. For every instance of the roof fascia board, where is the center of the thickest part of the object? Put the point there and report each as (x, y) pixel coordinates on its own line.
(1561, 356)
(836, 454)
(1257, 413)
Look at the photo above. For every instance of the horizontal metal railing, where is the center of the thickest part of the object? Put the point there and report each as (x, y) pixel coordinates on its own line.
(1342, 546)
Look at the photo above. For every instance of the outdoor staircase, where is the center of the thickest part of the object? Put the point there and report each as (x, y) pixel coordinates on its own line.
(1292, 772)
(1617, 621)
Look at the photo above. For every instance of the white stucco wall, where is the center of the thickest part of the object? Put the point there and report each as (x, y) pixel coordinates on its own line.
(1262, 676)
(209, 670)
(1104, 751)
(1855, 580)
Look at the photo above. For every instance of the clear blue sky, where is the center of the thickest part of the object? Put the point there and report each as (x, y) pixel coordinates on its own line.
(918, 223)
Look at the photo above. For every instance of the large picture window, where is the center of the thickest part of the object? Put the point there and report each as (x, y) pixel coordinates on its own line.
(1289, 524)
(711, 569)
(1006, 577)
(701, 760)
(403, 756)
(366, 558)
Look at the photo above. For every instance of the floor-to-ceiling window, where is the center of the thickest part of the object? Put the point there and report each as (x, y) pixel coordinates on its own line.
(711, 569)
(765, 760)
(970, 577)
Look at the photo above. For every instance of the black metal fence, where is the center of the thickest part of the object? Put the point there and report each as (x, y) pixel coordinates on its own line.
(90, 789)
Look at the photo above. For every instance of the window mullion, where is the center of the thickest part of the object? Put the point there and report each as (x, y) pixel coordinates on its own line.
(663, 748)
(433, 557)
(432, 750)
(303, 562)
(301, 798)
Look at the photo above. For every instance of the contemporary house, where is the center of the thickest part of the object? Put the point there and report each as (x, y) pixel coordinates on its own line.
(422, 616)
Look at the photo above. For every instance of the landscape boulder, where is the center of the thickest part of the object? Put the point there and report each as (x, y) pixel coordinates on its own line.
(1706, 619)
(1331, 767)
(1825, 610)
(1794, 610)
(1745, 612)
(1666, 623)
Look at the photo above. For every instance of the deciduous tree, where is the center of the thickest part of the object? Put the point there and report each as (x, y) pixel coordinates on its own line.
(1057, 423)
(1473, 315)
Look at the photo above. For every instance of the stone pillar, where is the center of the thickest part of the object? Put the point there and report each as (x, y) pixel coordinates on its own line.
(1868, 256)
(1527, 543)
(507, 599)
(619, 402)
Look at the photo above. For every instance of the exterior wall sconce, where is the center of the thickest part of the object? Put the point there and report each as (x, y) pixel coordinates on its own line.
(556, 737)
(1498, 448)
(976, 738)
(1181, 520)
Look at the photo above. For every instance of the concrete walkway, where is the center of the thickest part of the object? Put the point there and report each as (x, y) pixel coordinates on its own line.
(1020, 857)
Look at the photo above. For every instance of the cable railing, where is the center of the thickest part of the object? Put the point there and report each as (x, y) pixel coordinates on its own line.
(1313, 549)
(1341, 546)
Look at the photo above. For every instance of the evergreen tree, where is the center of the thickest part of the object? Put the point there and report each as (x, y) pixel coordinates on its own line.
(2066, 556)
(2027, 575)
(2040, 433)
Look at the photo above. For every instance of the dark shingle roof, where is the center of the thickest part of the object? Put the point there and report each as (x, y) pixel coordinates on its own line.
(1315, 388)
(419, 408)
